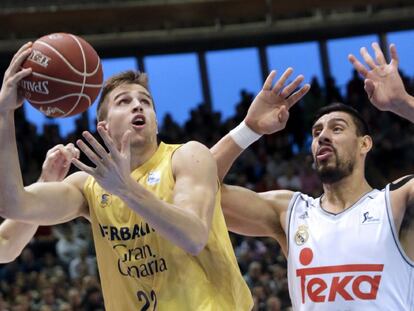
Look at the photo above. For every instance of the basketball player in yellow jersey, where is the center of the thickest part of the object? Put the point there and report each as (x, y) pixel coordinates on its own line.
(160, 235)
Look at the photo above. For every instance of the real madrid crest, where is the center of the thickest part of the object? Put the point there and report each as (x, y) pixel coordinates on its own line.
(301, 235)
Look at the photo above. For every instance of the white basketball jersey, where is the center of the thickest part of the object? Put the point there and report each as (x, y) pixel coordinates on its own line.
(349, 261)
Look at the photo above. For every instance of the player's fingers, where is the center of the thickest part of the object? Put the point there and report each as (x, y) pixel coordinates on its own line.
(16, 64)
(267, 85)
(282, 80)
(291, 86)
(21, 75)
(22, 48)
(298, 95)
(83, 167)
(362, 70)
(367, 58)
(53, 149)
(73, 151)
(379, 56)
(50, 159)
(89, 153)
(107, 139)
(394, 55)
(97, 147)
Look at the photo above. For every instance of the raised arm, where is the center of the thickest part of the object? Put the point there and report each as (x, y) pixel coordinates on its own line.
(14, 235)
(267, 114)
(383, 83)
(42, 203)
(186, 222)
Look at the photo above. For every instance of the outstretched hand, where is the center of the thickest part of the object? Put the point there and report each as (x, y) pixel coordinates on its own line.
(112, 170)
(10, 99)
(269, 111)
(57, 163)
(383, 82)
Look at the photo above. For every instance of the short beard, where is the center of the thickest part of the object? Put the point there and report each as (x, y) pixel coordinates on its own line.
(331, 175)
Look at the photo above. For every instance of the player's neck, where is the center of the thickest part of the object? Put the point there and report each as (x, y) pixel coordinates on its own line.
(141, 154)
(344, 193)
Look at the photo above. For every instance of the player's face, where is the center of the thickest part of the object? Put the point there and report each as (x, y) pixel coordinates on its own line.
(334, 146)
(130, 107)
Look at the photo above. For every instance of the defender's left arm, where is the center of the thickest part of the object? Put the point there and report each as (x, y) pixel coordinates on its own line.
(383, 83)
(386, 91)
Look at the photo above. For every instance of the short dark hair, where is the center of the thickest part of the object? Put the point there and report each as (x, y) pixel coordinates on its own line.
(125, 77)
(361, 125)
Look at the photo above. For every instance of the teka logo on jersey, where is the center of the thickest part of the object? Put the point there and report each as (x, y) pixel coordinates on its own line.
(327, 283)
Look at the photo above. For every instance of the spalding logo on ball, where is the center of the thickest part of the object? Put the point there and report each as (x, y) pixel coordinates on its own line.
(67, 75)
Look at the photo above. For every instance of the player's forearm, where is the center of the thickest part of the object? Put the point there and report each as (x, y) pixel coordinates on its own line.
(405, 107)
(14, 236)
(179, 225)
(225, 152)
(11, 182)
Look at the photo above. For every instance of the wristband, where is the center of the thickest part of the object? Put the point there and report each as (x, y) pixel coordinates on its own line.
(243, 135)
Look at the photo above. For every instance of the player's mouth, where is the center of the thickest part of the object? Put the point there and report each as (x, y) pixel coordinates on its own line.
(138, 121)
(324, 153)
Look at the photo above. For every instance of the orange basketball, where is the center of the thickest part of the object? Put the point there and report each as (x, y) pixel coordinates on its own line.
(66, 77)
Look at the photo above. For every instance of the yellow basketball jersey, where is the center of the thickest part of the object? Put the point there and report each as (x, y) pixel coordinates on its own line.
(141, 270)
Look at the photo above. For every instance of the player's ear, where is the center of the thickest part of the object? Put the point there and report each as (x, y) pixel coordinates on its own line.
(365, 144)
(104, 124)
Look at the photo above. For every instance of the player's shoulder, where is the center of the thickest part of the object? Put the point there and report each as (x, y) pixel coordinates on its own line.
(192, 151)
(194, 146)
(402, 191)
(402, 183)
(279, 199)
(77, 179)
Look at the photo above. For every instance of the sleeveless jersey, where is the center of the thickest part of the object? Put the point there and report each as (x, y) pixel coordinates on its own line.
(350, 261)
(141, 270)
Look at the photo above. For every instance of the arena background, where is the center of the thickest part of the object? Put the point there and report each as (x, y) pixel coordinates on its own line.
(206, 59)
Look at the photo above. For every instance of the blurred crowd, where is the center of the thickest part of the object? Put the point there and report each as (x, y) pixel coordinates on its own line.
(57, 271)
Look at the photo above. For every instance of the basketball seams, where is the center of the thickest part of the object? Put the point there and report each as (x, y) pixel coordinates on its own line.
(63, 58)
(40, 75)
(57, 90)
(45, 102)
(84, 77)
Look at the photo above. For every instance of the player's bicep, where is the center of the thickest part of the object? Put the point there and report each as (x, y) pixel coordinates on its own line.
(250, 213)
(52, 202)
(195, 174)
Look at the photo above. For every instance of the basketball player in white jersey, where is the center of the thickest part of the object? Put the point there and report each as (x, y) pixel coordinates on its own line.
(345, 249)
(15, 235)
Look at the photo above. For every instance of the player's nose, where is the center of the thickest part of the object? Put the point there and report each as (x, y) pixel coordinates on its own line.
(324, 137)
(136, 105)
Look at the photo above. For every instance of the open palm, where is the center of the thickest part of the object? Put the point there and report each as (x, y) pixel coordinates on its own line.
(269, 111)
(383, 82)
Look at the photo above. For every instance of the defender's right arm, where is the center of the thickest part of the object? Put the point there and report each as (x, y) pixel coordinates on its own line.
(39, 203)
(267, 114)
(256, 214)
(247, 212)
